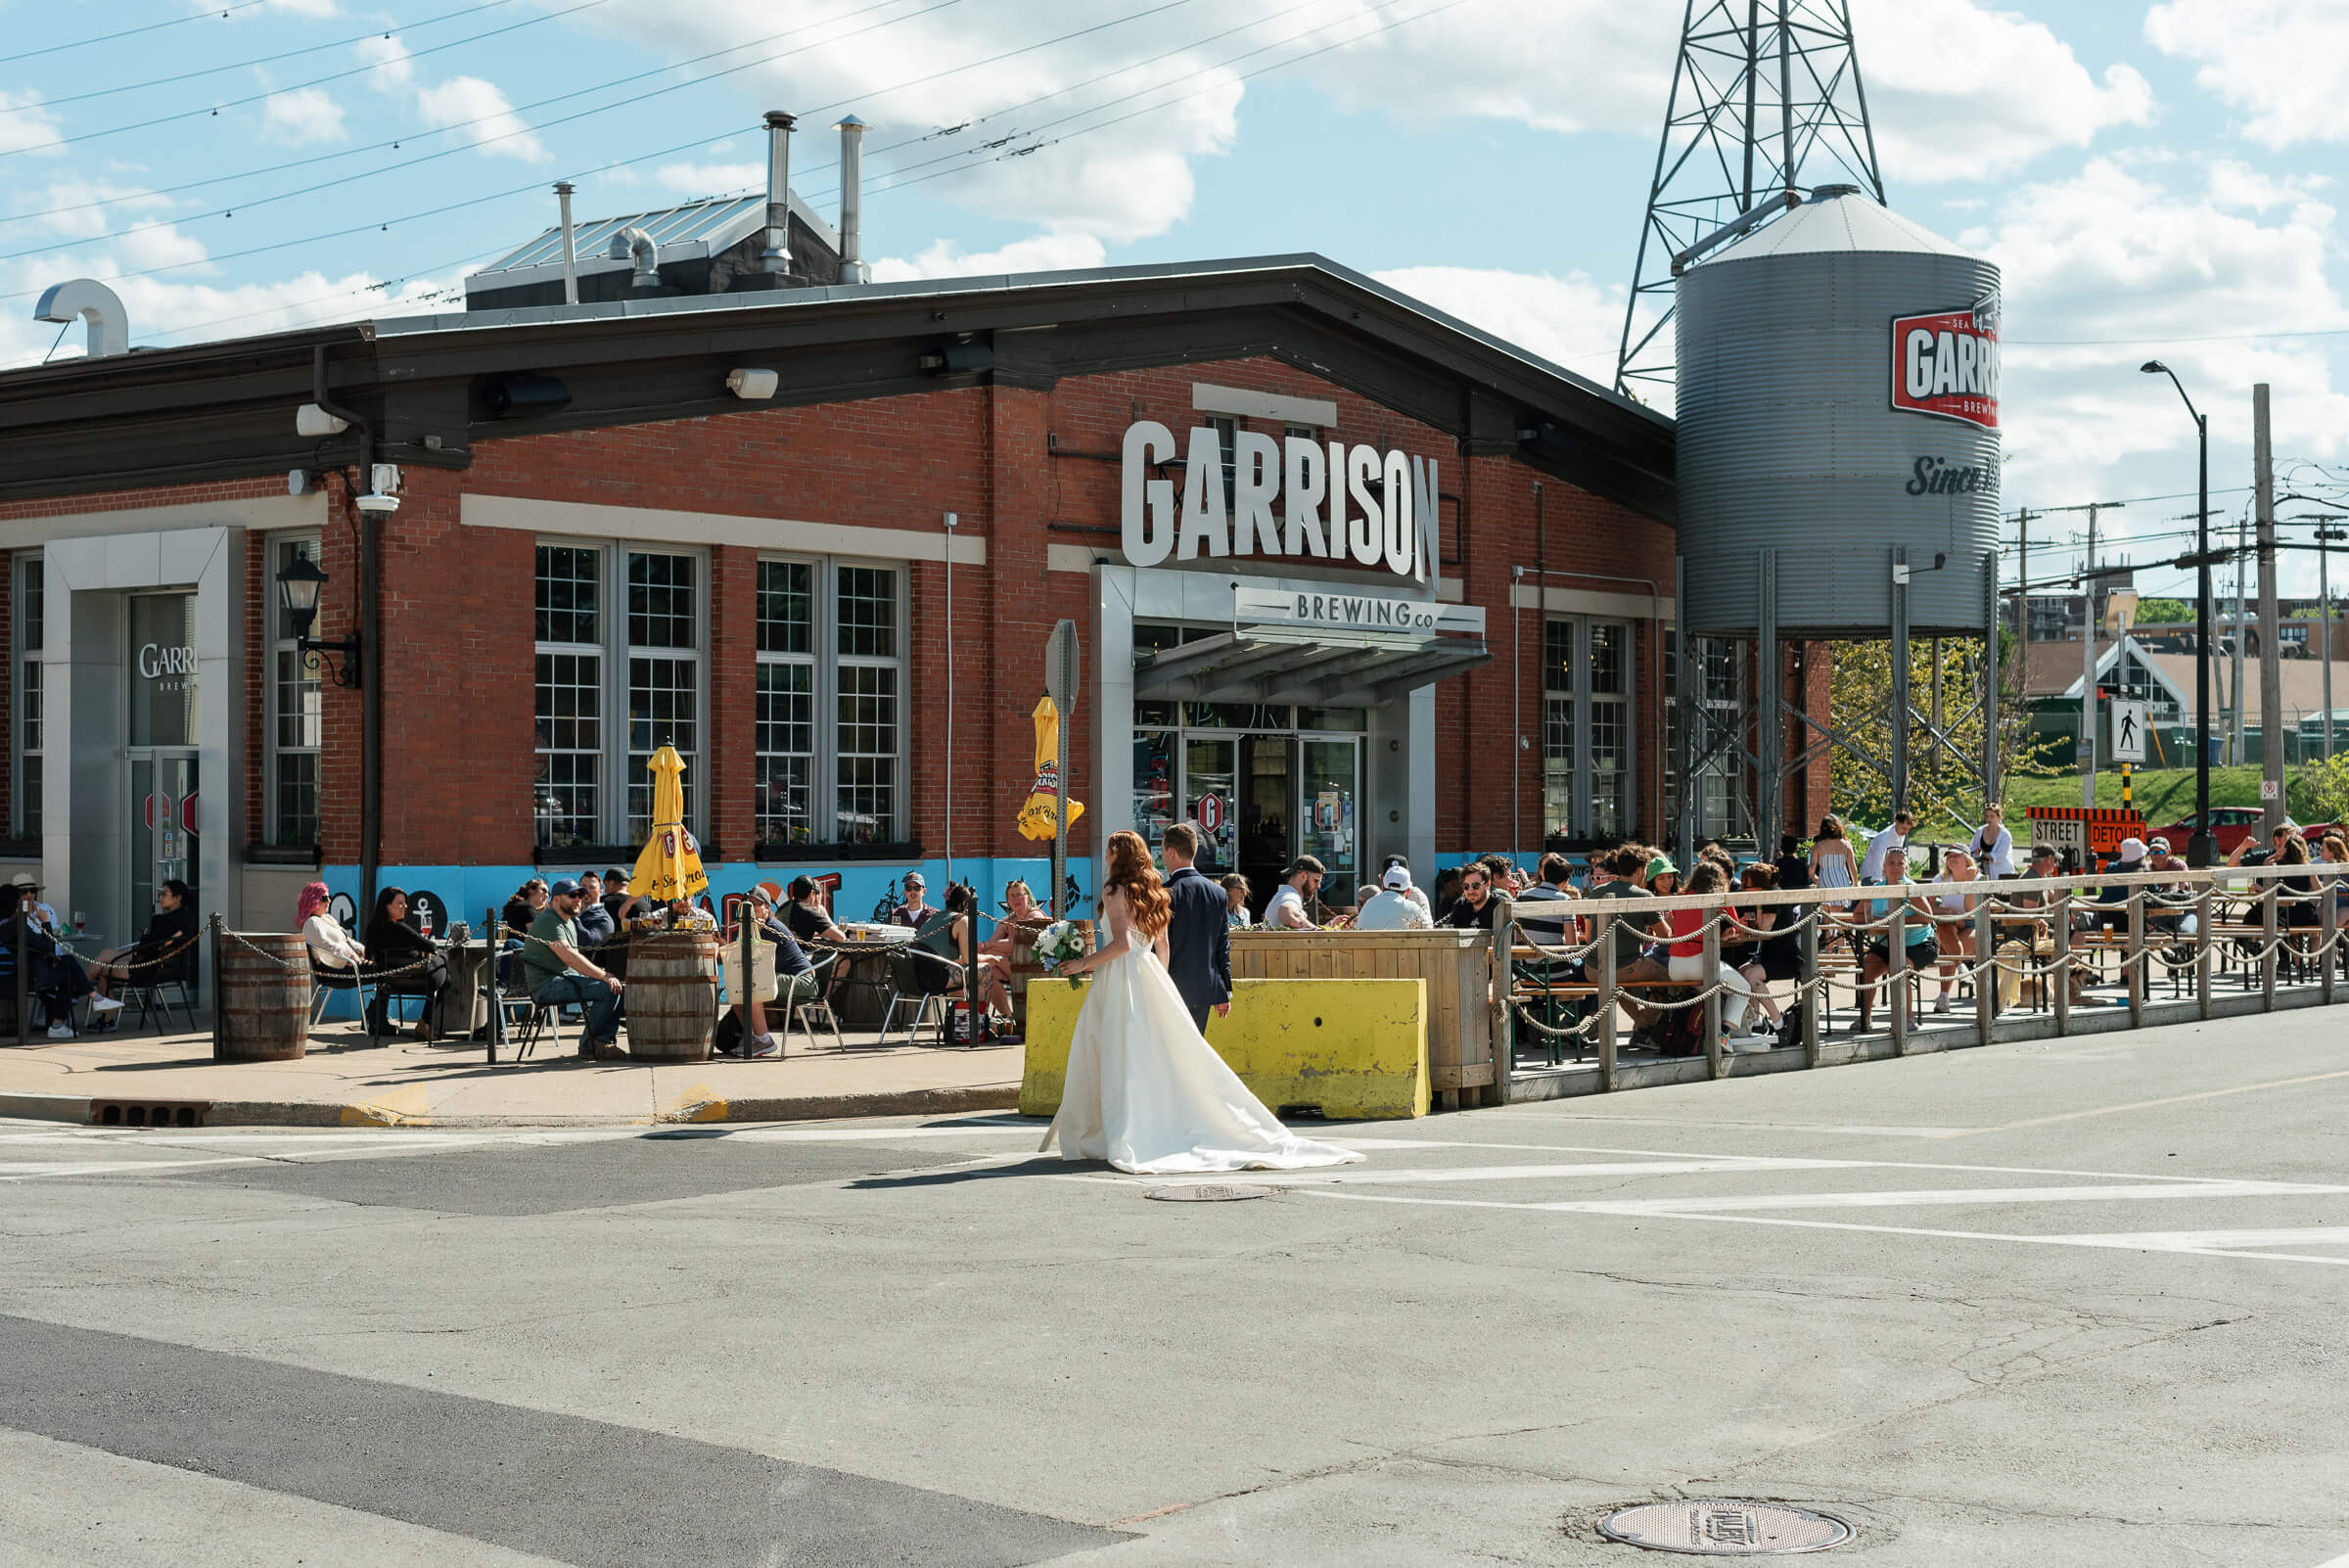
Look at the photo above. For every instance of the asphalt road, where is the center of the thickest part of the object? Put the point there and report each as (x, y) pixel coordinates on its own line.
(2032, 1305)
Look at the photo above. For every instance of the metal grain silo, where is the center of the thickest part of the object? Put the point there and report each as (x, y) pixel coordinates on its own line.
(1838, 398)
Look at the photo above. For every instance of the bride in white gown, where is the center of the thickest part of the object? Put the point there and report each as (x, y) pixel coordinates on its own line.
(1145, 1091)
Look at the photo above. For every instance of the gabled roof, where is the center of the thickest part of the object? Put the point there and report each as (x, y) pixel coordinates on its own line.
(686, 232)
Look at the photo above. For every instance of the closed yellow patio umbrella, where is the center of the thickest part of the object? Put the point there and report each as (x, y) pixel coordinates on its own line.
(670, 865)
(1039, 818)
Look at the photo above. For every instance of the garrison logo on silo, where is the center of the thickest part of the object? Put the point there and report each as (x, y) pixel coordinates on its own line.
(1947, 363)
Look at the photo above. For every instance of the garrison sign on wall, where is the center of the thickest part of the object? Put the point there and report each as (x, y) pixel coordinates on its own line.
(1294, 498)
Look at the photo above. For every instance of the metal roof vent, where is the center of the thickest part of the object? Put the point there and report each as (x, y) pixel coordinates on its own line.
(95, 303)
(639, 245)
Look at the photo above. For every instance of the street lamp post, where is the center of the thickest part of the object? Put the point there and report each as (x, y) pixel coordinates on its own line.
(2201, 849)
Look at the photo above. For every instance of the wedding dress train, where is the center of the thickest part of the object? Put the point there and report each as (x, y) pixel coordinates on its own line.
(1147, 1093)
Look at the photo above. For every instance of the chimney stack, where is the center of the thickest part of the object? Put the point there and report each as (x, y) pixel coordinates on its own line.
(776, 256)
(851, 202)
(570, 254)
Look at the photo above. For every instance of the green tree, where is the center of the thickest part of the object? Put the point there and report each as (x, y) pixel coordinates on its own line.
(2163, 611)
(1944, 777)
(2324, 788)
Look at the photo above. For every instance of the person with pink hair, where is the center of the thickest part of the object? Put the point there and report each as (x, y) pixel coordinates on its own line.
(335, 955)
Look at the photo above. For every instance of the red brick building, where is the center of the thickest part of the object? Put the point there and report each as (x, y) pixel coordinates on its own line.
(817, 539)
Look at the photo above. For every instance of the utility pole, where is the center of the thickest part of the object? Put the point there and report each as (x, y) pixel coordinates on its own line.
(2270, 685)
(2238, 753)
(2023, 581)
(2088, 643)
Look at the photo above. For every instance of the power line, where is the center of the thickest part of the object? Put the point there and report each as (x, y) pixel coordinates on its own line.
(457, 125)
(641, 158)
(340, 76)
(343, 294)
(264, 60)
(130, 32)
(2215, 337)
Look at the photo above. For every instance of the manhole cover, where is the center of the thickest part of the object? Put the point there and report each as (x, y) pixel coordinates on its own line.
(1211, 1192)
(1713, 1527)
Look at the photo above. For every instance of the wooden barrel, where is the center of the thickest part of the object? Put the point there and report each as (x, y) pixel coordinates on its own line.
(264, 996)
(672, 994)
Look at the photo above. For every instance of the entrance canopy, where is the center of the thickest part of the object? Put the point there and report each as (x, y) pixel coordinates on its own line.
(1315, 668)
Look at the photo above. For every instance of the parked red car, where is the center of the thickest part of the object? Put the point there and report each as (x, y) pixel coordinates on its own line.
(2229, 825)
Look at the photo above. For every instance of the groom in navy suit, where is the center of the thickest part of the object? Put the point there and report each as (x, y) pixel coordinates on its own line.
(1198, 930)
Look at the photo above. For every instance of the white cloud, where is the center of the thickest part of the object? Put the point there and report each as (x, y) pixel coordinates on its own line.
(309, 113)
(709, 180)
(312, 8)
(2116, 266)
(1042, 252)
(2283, 62)
(122, 200)
(23, 123)
(485, 113)
(1571, 321)
(395, 67)
(1958, 91)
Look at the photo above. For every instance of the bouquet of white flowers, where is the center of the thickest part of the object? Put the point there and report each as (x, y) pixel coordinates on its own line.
(1057, 943)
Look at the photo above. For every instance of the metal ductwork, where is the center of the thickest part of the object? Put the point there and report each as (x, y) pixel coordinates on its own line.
(637, 245)
(571, 255)
(851, 202)
(776, 256)
(97, 304)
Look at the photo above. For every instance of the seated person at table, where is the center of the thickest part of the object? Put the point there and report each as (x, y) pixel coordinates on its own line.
(595, 922)
(55, 975)
(948, 935)
(917, 906)
(393, 943)
(1390, 908)
(1920, 947)
(618, 902)
(336, 958)
(795, 980)
(523, 908)
(1235, 900)
(170, 934)
(1286, 911)
(806, 916)
(1022, 916)
(556, 973)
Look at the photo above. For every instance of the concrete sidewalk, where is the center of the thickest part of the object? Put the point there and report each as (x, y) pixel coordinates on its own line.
(344, 1082)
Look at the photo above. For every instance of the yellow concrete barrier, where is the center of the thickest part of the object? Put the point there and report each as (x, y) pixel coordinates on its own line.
(1357, 1048)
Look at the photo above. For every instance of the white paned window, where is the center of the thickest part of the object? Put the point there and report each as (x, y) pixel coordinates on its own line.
(614, 682)
(294, 711)
(1586, 732)
(831, 720)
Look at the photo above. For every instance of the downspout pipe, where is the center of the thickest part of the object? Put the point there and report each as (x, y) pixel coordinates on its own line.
(371, 646)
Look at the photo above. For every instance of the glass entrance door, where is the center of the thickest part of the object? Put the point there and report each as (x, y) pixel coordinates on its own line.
(1267, 814)
(163, 831)
(1209, 780)
(1330, 800)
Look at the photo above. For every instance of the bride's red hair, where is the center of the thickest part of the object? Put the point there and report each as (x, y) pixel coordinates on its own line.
(1131, 873)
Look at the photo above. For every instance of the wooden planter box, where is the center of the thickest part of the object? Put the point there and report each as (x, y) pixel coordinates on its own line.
(1456, 965)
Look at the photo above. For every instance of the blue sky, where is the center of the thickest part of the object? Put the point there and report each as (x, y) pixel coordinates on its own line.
(2147, 173)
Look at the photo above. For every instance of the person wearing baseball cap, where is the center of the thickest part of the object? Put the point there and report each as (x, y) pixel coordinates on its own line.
(917, 906)
(555, 972)
(1392, 908)
(1286, 911)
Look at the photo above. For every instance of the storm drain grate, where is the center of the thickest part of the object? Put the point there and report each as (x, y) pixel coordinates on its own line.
(1208, 1192)
(148, 1113)
(1716, 1526)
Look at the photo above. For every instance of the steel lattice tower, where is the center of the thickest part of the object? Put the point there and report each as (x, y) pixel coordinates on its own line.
(1763, 92)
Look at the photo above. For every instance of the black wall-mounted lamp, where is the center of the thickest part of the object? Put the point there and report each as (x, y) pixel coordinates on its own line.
(298, 585)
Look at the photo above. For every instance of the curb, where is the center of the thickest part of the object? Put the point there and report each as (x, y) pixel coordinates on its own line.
(74, 1110)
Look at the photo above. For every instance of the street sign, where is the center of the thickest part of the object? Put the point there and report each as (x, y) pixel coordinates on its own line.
(2128, 730)
(1060, 668)
(2270, 790)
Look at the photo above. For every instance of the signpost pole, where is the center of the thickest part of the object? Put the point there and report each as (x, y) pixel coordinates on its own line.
(1060, 685)
(2271, 683)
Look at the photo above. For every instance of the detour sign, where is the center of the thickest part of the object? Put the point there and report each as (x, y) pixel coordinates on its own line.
(2084, 830)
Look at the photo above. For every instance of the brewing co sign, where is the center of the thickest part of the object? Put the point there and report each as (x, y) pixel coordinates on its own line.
(1295, 498)
(1947, 363)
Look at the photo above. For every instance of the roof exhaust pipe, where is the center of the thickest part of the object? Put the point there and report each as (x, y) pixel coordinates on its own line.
(570, 254)
(97, 304)
(851, 202)
(636, 244)
(776, 256)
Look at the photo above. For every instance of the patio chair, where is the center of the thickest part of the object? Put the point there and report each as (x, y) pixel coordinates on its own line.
(156, 990)
(922, 978)
(805, 1012)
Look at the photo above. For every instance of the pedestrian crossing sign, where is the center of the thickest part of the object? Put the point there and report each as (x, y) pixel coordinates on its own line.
(2128, 730)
